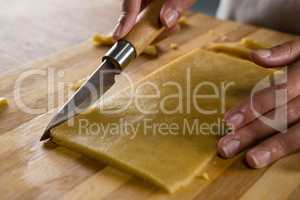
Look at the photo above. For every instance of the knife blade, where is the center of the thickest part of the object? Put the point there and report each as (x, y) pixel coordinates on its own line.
(85, 96)
(146, 30)
(95, 86)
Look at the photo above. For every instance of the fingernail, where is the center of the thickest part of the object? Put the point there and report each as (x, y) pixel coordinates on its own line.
(261, 158)
(263, 53)
(230, 148)
(235, 120)
(117, 31)
(171, 16)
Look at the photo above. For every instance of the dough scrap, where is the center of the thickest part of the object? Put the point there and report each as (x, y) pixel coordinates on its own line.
(174, 46)
(252, 44)
(3, 103)
(211, 33)
(170, 160)
(102, 40)
(151, 50)
(183, 21)
(205, 176)
(242, 49)
(75, 86)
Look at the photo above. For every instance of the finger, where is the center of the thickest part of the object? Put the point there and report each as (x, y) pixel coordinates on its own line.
(265, 100)
(232, 144)
(172, 10)
(284, 54)
(130, 11)
(274, 148)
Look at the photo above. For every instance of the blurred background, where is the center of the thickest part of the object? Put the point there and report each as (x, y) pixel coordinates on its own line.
(31, 29)
(208, 7)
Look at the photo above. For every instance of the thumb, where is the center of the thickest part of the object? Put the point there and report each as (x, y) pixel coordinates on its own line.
(284, 54)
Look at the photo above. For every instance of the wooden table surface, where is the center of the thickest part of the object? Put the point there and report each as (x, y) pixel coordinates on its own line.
(32, 29)
(32, 170)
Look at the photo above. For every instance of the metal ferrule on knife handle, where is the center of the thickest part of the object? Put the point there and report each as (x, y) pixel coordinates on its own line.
(146, 30)
(120, 54)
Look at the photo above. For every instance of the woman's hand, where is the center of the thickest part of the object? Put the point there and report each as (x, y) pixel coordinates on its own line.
(170, 13)
(269, 144)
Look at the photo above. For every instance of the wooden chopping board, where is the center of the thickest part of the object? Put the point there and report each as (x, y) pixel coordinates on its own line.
(31, 170)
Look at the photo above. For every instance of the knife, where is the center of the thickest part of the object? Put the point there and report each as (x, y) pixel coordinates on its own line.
(147, 29)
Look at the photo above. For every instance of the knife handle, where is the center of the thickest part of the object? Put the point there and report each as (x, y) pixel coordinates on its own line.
(147, 28)
(144, 32)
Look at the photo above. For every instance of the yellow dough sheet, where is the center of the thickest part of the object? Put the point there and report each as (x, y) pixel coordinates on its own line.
(174, 115)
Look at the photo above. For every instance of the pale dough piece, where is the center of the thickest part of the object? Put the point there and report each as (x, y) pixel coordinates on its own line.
(242, 49)
(183, 21)
(151, 50)
(205, 176)
(211, 32)
(78, 84)
(3, 103)
(169, 160)
(174, 46)
(254, 45)
(102, 40)
(234, 49)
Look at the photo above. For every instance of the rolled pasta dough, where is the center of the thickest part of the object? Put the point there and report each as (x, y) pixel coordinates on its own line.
(169, 159)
